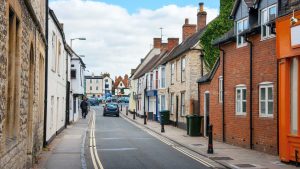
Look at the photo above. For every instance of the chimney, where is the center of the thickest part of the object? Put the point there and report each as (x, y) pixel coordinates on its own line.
(188, 29)
(172, 43)
(201, 17)
(164, 47)
(157, 43)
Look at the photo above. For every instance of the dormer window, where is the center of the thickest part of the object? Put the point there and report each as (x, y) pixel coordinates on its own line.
(268, 14)
(241, 26)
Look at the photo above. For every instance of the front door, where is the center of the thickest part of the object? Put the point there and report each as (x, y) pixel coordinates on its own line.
(206, 112)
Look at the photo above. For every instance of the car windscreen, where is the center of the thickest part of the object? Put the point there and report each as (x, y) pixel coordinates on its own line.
(112, 106)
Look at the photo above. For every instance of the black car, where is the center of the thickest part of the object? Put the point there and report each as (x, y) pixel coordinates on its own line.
(111, 109)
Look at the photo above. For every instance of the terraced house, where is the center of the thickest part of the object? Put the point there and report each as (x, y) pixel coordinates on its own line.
(238, 97)
(22, 65)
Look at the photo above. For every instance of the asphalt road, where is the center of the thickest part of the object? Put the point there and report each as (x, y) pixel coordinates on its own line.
(122, 145)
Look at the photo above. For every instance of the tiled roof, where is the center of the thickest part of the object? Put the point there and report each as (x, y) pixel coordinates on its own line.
(148, 66)
(185, 45)
(249, 3)
(225, 38)
(209, 76)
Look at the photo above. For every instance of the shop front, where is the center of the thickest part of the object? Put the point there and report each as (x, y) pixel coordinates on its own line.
(288, 55)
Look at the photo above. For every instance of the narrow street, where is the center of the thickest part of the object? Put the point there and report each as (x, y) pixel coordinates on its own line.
(120, 144)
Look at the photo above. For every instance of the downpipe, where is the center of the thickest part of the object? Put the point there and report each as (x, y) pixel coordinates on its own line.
(223, 93)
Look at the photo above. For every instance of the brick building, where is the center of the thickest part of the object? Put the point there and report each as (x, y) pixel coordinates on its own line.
(22, 65)
(238, 97)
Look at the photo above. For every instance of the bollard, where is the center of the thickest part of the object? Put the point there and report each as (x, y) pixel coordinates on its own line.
(145, 119)
(126, 110)
(162, 127)
(210, 149)
(121, 106)
(133, 115)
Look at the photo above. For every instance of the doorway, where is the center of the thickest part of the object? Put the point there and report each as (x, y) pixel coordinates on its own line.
(206, 113)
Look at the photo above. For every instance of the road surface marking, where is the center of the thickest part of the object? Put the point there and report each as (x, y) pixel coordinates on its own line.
(118, 149)
(93, 149)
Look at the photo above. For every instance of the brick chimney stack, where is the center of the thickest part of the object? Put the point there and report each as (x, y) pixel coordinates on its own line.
(164, 47)
(172, 43)
(188, 29)
(157, 43)
(201, 17)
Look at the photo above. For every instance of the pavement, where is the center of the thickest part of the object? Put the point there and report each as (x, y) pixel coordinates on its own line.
(66, 151)
(227, 155)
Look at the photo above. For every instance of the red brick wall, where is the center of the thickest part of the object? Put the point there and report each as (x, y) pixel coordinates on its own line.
(237, 63)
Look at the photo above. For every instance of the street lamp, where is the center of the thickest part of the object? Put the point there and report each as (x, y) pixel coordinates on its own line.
(76, 39)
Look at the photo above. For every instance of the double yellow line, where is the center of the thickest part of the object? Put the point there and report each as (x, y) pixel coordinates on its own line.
(93, 148)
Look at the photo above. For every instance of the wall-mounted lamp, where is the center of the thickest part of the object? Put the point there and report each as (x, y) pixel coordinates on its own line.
(293, 19)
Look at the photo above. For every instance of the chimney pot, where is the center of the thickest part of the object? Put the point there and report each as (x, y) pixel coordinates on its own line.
(188, 30)
(186, 21)
(201, 6)
(201, 17)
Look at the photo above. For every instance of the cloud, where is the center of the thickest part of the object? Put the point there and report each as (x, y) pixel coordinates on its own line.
(116, 39)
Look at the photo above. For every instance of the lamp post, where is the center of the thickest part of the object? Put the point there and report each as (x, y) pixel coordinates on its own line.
(76, 39)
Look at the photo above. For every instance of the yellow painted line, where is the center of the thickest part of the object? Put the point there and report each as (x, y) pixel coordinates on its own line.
(94, 144)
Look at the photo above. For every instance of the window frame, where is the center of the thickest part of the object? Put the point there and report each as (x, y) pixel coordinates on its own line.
(268, 29)
(266, 86)
(163, 78)
(182, 104)
(241, 88)
(183, 68)
(172, 102)
(172, 73)
(243, 41)
(221, 81)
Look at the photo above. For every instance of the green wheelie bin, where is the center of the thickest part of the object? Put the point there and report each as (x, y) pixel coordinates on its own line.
(165, 117)
(194, 125)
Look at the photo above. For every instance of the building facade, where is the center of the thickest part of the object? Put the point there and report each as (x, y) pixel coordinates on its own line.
(288, 52)
(238, 97)
(22, 83)
(98, 86)
(121, 86)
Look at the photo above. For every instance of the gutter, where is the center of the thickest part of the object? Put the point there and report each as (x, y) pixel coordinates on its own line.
(251, 90)
(223, 94)
(46, 77)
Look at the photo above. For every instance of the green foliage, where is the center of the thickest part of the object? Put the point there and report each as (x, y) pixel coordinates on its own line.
(214, 30)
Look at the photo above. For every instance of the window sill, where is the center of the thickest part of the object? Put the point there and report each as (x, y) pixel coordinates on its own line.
(242, 45)
(240, 114)
(266, 116)
(267, 38)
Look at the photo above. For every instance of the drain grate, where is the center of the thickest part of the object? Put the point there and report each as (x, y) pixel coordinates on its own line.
(221, 158)
(197, 144)
(245, 165)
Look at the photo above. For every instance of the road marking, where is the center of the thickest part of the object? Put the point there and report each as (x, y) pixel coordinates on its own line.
(166, 141)
(93, 148)
(118, 149)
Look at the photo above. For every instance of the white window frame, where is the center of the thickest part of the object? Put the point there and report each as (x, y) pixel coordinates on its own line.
(172, 102)
(241, 88)
(266, 86)
(172, 73)
(182, 104)
(163, 78)
(163, 102)
(262, 23)
(243, 41)
(221, 89)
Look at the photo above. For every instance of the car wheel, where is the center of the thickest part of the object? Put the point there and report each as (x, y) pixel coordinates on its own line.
(118, 115)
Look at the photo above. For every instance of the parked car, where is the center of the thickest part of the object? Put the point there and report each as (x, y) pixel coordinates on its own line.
(93, 102)
(111, 109)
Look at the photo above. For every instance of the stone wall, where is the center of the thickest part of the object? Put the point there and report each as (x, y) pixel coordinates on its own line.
(21, 152)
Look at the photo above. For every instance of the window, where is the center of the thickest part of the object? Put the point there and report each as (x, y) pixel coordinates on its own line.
(97, 81)
(156, 79)
(151, 81)
(91, 88)
(220, 89)
(182, 103)
(182, 69)
(172, 73)
(53, 66)
(58, 58)
(13, 76)
(91, 81)
(294, 74)
(163, 102)
(73, 74)
(266, 16)
(172, 103)
(52, 111)
(241, 26)
(266, 103)
(163, 77)
(97, 88)
(240, 100)
(72, 65)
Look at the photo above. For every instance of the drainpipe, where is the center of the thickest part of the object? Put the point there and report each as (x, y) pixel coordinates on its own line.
(67, 92)
(251, 90)
(46, 76)
(223, 93)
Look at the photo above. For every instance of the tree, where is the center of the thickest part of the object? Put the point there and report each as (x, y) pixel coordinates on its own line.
(214, 30)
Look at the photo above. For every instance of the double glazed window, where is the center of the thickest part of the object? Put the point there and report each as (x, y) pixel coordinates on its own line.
(266, 16)
(241, 26)
(266, 101)
(240, 100)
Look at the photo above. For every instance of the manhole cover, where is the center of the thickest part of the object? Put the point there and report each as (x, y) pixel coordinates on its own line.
(197, 144)
(245, 165)
(221, 158)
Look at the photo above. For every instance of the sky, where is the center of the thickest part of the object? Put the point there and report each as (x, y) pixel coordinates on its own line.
(119, 33)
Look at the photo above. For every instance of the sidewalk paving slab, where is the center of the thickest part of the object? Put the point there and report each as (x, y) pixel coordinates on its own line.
(228, 155)
(65, 151)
